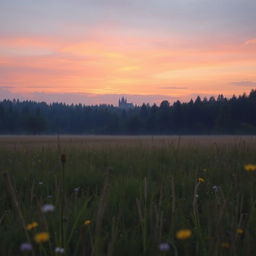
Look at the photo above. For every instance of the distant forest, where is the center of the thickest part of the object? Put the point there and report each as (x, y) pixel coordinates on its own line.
(220, 115)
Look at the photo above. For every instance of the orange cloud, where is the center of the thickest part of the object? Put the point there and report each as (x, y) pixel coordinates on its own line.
(108, 64)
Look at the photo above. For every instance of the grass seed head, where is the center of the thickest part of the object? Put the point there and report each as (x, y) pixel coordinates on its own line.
(63, 158)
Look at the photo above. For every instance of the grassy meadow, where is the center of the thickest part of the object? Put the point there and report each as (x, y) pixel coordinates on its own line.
(100, 195)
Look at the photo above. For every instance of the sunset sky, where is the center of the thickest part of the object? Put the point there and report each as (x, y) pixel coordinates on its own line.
(95, 51)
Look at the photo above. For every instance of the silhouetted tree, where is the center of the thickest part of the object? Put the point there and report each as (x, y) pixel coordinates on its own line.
(207, 116)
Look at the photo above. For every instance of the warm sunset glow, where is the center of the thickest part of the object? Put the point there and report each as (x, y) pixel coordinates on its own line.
(115, 60)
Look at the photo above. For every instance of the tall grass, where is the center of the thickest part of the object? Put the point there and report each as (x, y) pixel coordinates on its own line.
(126, 196)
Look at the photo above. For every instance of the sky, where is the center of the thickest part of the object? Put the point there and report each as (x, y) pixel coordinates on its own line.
(96, 51)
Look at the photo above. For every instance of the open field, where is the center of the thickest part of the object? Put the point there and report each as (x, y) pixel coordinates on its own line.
(128, 195)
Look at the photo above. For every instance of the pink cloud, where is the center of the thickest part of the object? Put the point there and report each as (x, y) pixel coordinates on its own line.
(103, 63)
(251, 41)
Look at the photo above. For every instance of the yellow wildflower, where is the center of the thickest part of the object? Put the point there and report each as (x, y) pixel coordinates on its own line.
(87, 222)
(183, 234)
(239, 231)
(225, 245)
(250, 167)
(201, 180)
(41, 237)
(32, 225)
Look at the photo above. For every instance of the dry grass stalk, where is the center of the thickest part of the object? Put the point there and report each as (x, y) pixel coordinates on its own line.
(114, 231)
(12, 193)
(100, 214)
(195, 204)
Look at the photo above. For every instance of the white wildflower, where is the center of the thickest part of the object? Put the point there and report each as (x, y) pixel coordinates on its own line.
(48, 208)
(216, 188)
(59, 250)
(76, 190)
(164, 247)
(24, 247)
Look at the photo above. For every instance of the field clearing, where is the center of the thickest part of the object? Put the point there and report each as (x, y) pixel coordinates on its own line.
(90, 140)
(123, 195)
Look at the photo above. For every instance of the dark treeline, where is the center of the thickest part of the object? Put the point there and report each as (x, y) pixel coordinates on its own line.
(202, 116)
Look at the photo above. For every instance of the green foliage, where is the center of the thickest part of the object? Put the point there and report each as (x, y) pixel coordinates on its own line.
(136, 192)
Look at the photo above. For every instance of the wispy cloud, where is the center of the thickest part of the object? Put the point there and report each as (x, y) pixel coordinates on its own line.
(244, 83)
(6, 87)
(172, 88)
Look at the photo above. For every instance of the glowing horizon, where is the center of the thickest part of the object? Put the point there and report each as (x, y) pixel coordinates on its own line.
(111, 57)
